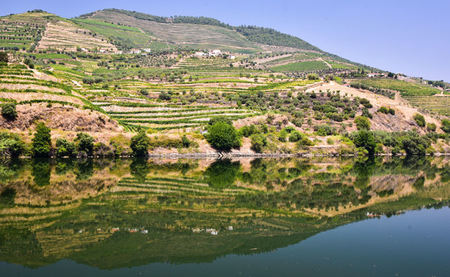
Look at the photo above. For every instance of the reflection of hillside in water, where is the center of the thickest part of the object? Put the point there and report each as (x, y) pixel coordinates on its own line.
(112, 214)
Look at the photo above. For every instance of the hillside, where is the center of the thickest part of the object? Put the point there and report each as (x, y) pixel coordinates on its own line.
(112, 72)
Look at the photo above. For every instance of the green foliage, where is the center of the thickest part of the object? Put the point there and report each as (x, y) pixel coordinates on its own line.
(258, 142)
(185, 141)
(273, 37)
(223, 119)
(445, 126)
(406, 88)
(301, 66)
(325, 130)
(364, 139)
(85, 144)
(65, 148)
(9, 111)
(419, 119)
(140, 144)
(222, 136)
(362, 123)
(431, 127)
(383, 109)
(414, 144)
(11, 145)
(41, 142)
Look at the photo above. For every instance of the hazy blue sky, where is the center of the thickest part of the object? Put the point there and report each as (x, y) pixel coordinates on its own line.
(408, 36)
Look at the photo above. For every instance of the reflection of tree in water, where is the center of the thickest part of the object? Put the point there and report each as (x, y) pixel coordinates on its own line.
(139, 168)
(63, 166)
(11, 169)
(222, 173)
(84, 169)
(41, 171)
(7, 196)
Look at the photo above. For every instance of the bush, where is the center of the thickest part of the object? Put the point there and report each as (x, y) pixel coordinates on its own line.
(420, 120)
(11, 145)
(41, 142)
(222, 136)
(446, 126)
(164, 96)
(414, 144)
(65, 148)
(362, 123)
(392, 111)
(295, 136)
(185, 141)
(364, 139)
(216, 119)
(9, 111)
(431, 127)
(258, 142)
(384, 110)
(85, 144)
(140, 144)
(29, 63)
(324, 130)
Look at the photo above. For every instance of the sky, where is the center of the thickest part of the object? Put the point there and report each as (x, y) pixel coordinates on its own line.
(402, 36)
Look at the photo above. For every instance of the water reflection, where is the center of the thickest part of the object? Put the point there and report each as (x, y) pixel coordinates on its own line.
(121, 213)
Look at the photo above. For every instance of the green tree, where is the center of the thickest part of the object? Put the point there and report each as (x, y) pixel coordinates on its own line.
(414, 144)
(431, 127)
(364, 139)
(140, 144)
(85, 144)
(42, 141)
(223, 137)
(258, 142)
(11, 145)
(420, 120)
(446, 126)
(65, 148)
(362, 123)
(9, 111)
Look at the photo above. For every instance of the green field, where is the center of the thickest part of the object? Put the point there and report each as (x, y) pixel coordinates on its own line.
(406, 88)
(301, 66)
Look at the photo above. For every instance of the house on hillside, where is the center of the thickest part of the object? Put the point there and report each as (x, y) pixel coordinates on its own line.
(200, 54)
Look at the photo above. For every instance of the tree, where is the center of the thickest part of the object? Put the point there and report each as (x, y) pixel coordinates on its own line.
(364, 139)
(414, 144)
(223, 136)
(431, 127)
(9, 111)
(65, 148)
(3, 57)
(140, 144)
(420, 120)
(362, 123)
(11, 145)
(85, 144)
(446, 126)
(258, 142)
(42, 141)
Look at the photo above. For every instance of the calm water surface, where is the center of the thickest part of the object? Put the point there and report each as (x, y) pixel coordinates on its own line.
(225, 218)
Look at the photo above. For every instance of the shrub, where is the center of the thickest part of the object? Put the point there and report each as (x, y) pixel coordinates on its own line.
(324, 130)
(431, 127)
(85, 144)
(414, 144)
(9, 111)
(185, 141)
(140, 144)
(391, 111)
(258, 142)
(420, 120)
(222, 136)
(11, 145)
(295, 136)
(164, 96)
(41, 142)
(362, 123)
(364, 139)
(143, 92)
(65, 148)
(446, 126)
(29, 63)
(384, 110)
